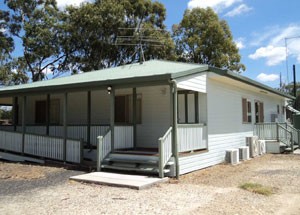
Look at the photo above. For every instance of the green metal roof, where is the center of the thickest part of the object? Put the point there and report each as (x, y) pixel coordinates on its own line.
(134, 74)
(154, 70)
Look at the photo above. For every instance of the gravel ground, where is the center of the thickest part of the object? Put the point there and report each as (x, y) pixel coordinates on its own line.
(213, 190)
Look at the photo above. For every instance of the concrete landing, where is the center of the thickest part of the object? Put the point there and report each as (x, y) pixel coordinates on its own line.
(138, 182)
(297, 152)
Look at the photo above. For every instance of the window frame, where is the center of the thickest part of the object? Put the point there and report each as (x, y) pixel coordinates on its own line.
(246, 111)
(186, 106)
(259, 114)
(128, 109)
(52, 121)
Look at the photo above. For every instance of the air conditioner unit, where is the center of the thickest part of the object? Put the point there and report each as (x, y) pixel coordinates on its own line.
(261, 147)
(244, 153)
(232, 156)
(252, 142)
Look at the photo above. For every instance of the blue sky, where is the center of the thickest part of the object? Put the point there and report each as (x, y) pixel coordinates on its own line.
(259, 28)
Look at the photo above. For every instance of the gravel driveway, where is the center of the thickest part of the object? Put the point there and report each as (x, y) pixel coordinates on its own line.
(213, 190)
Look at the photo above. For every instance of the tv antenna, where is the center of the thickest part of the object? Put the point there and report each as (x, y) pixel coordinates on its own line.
(286, 53)
(140, 38)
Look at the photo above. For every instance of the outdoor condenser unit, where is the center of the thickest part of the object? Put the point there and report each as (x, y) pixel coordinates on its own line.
(244, 153)
(232, 156)
(252, 142)
(261, 147)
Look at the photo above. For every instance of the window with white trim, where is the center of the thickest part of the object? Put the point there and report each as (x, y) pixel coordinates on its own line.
(188, 108)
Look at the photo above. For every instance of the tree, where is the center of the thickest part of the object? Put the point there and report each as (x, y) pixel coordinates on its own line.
(94, 31)
(6, 46)
(202, 38)
(6, 41)
(37, 24)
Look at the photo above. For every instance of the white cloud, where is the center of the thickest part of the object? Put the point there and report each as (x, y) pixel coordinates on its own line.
(2, 30)
(241, 9)
(272, 44)
(240, 43)
(274, 55)
(217, 5)
(64, 3)
(266, 78)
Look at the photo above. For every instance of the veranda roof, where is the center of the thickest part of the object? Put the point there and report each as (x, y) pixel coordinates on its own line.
(156, 71)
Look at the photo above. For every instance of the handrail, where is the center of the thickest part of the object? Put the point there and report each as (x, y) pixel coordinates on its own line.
(291, 144)
(295, 132)
(165, 150)
(101, 154)
(166, 134)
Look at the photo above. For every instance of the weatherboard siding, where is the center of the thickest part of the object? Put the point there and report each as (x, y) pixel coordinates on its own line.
(155, 115)
(224, 123)
(195, 82)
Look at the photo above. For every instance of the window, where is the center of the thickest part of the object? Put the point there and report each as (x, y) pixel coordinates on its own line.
(246, 107)
(124, 110)
(41, 111)
(188, 107)
(259, 112)
(278, 109)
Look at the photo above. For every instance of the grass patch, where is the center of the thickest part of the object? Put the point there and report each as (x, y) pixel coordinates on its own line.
(257, 188)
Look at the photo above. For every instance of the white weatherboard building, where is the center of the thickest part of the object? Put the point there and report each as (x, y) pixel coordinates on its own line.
(158, 116)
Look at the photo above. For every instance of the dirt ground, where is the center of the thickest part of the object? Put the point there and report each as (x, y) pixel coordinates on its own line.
(30, 189)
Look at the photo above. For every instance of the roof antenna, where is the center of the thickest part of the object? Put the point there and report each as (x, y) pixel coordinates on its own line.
(139, 39)
(140, 46)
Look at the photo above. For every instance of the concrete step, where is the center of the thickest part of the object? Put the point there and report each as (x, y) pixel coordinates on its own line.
(142, 168)
(133, 157)
(137, 159)
(289, 149)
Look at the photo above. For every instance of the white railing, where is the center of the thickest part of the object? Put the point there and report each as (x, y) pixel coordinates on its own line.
(96, 131)
(191, 137)
(266, 131)
(164, 150)
(44, 146)
(123, 137)
(6, 127)
(36, 129)
(73, 131)
(74, 149)
(11, 141)
(103, 148)
(53, 147)
(77, 132)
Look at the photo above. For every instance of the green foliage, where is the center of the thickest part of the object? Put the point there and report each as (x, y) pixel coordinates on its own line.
(94, 29)
(37, 25)
(202, 38)
(6, 114)
(6, 41)
(257, 188)
(88, 37)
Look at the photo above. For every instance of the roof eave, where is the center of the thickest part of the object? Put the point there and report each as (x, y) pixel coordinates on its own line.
(203, 68)
(248, 81)
(134, 81)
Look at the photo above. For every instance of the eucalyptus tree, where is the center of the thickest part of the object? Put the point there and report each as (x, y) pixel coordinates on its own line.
(201, 37)
(107, 33)
(37, 25)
